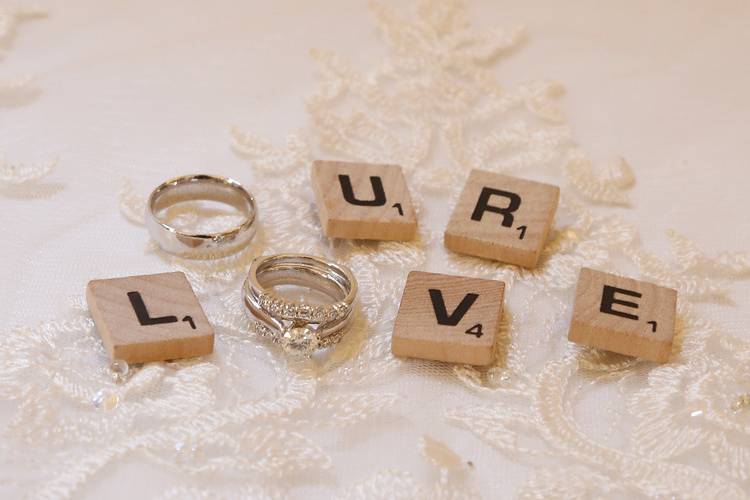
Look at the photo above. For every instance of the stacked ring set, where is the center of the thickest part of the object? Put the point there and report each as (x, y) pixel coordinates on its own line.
(440, 317)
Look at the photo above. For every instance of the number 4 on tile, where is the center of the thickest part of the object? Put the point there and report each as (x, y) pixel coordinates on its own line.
(461, 332)
(475, 330)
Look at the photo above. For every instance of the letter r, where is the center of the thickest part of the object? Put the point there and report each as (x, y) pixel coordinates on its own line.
(483, 205)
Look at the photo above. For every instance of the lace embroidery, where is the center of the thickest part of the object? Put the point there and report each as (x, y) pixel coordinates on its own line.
(254, 420)
(15, 90)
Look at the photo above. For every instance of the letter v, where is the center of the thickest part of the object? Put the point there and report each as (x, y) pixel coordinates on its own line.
(438, 304)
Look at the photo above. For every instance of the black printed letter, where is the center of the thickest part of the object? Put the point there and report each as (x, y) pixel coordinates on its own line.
(377, 189)
(608, 299)
(142, 313)
(442, 314)
(484, 206)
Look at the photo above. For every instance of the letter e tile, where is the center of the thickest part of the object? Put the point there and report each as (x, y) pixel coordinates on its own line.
(623, 315)
(448, 318)
(153, 317)
(502, 218)
(363, 201)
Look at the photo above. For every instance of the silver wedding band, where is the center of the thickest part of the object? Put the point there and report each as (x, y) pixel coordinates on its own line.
(193, 188)
(300, 328)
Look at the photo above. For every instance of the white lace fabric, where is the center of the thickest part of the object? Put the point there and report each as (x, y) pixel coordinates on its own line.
(549, 419)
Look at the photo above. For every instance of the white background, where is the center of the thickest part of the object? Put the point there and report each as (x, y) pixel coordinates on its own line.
(144, 91)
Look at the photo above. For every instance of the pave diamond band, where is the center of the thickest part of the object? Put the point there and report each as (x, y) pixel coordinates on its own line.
(300, 327)
(313, 313)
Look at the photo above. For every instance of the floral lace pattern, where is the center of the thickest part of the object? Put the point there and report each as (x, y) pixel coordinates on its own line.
(12, 91)
(258, 424)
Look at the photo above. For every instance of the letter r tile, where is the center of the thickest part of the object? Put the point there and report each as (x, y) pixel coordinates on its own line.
(502, 218)
(448, 318)
(623, 315)
(363, 201)
(152, 317)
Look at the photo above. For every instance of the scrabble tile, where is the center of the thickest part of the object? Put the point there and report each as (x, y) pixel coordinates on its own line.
(502, 218)
(448, 318)
(363, 201)
(153, 317)
(623, 315)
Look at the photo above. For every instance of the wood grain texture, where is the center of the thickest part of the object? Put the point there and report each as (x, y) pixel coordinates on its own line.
(167, 296)
(518, 241)
(343, 219)
(417, 331)
(633, 335)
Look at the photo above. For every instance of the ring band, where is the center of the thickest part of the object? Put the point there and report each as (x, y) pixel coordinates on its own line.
(193, 188)
(300, 328)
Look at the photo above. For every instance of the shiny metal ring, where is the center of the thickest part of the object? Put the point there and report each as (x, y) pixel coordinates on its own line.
(201, 187)
(300, 328)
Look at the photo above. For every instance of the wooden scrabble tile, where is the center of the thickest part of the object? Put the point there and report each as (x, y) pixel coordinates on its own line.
(502, 218)
(448, 318)
(363, 201)
(153, 317)
(623, 315)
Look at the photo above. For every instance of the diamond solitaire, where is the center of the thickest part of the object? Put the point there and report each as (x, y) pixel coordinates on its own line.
(300, 328)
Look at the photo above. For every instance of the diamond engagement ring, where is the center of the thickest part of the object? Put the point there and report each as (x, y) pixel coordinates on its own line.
(200, 188)
(300, 327)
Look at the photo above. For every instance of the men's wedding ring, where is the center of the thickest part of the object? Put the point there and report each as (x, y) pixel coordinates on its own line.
(200, 188)
(300, 328)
